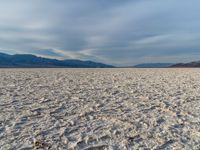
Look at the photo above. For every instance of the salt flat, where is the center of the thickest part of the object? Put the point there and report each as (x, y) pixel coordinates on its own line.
(88, 109)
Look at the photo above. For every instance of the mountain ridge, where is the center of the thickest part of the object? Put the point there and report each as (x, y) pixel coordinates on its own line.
(32, 61)
(194, 64)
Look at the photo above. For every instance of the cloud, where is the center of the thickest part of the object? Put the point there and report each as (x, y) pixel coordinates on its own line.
(117, 32)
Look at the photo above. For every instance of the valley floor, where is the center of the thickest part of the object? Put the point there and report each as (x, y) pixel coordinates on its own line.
(88, 109)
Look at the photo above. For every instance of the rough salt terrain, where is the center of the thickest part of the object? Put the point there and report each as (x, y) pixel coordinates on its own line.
(88, 109)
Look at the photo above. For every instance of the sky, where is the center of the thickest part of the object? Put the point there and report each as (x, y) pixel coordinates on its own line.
(117, 32)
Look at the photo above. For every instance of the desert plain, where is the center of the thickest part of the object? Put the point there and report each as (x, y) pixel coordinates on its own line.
(100, 109)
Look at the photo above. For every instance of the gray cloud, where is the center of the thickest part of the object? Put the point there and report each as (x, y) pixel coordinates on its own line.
(117, 32)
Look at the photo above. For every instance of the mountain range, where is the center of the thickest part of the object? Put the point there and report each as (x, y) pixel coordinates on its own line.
(32, 61)
(194, 64)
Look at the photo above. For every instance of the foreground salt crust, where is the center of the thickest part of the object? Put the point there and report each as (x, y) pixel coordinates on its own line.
(88, 109)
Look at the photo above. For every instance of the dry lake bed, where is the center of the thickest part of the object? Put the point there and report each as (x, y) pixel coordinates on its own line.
(94, 109)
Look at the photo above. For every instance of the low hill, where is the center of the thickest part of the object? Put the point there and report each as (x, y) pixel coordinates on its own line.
(153, 65)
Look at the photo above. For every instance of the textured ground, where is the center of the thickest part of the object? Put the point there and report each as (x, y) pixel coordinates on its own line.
(88, 109)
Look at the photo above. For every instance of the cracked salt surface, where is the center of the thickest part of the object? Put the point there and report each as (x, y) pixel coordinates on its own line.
(88, 109)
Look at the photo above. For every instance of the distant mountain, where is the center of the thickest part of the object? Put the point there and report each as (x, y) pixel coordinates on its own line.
(32, 61)
(153, 65)
(194, 64)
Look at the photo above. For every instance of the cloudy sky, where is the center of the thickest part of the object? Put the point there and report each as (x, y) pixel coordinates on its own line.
(118, 32)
